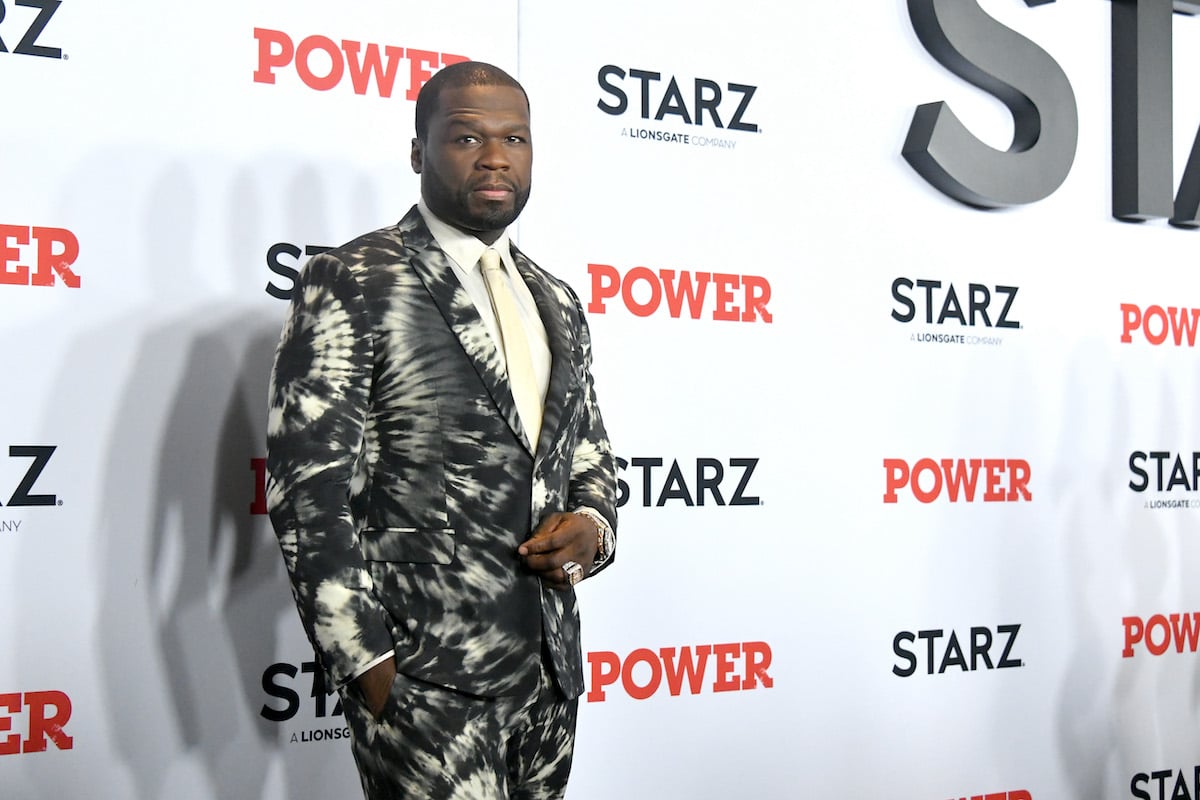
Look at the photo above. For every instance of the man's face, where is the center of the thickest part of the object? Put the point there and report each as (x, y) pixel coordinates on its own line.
(476, 160)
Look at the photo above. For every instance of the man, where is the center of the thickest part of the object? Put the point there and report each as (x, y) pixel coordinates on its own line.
(439, 474)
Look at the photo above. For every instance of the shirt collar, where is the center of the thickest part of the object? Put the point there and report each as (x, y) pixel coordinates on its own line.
(461, 246)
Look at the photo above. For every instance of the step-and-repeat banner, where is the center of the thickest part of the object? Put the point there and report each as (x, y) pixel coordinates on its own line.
(894, 307)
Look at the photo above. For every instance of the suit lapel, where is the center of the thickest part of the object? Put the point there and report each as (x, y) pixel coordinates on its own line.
(433, 267)
(553, 308)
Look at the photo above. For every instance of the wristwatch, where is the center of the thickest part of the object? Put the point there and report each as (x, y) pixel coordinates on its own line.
(606, 540)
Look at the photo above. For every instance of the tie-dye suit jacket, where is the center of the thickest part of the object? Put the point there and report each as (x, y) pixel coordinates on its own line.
(400, 482)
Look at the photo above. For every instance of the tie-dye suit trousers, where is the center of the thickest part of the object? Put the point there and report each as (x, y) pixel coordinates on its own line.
(433, 743)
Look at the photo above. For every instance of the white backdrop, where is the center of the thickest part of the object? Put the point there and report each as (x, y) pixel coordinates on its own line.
(143, 589)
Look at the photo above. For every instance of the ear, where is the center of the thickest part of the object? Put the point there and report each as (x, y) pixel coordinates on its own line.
(416, 156)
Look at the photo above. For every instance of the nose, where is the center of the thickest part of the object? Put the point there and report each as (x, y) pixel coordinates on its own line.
(492, 155)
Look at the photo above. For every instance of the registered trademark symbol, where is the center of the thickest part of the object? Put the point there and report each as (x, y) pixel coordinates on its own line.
(762, 502)
(60, 502)
(66, 57)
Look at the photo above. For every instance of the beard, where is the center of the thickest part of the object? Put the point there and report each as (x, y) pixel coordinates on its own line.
(464, 210)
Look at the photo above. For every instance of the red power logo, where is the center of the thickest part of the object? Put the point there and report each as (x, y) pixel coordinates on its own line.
(1157, 323)
(960, 479)
(363, 62)
(56, 250)
(1160, 631)
(735, 667)
(734, 298)
(44, 724)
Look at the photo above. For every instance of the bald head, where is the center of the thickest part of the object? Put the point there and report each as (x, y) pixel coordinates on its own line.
(458, 76)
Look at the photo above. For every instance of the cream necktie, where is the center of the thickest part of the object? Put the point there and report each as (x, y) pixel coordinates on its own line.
(515, 345)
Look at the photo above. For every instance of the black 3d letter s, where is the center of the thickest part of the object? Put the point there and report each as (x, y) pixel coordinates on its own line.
(1020, 74)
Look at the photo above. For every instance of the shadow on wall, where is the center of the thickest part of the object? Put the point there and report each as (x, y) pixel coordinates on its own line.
(1118, 556)
(182, 552)
(191, 593)
(160, 402)
(182, 545)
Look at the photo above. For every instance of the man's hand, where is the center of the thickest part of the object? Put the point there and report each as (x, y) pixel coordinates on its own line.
(561, 537)
(376, 684)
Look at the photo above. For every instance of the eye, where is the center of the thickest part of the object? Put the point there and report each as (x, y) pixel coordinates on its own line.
(468, 139)
(515, 139)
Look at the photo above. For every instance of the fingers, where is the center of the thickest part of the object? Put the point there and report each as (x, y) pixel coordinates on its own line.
(558, 585)
(550, 566)
(560, 540)
(557, 531)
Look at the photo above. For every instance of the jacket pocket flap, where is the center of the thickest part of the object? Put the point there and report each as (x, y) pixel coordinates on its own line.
(413, 545)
